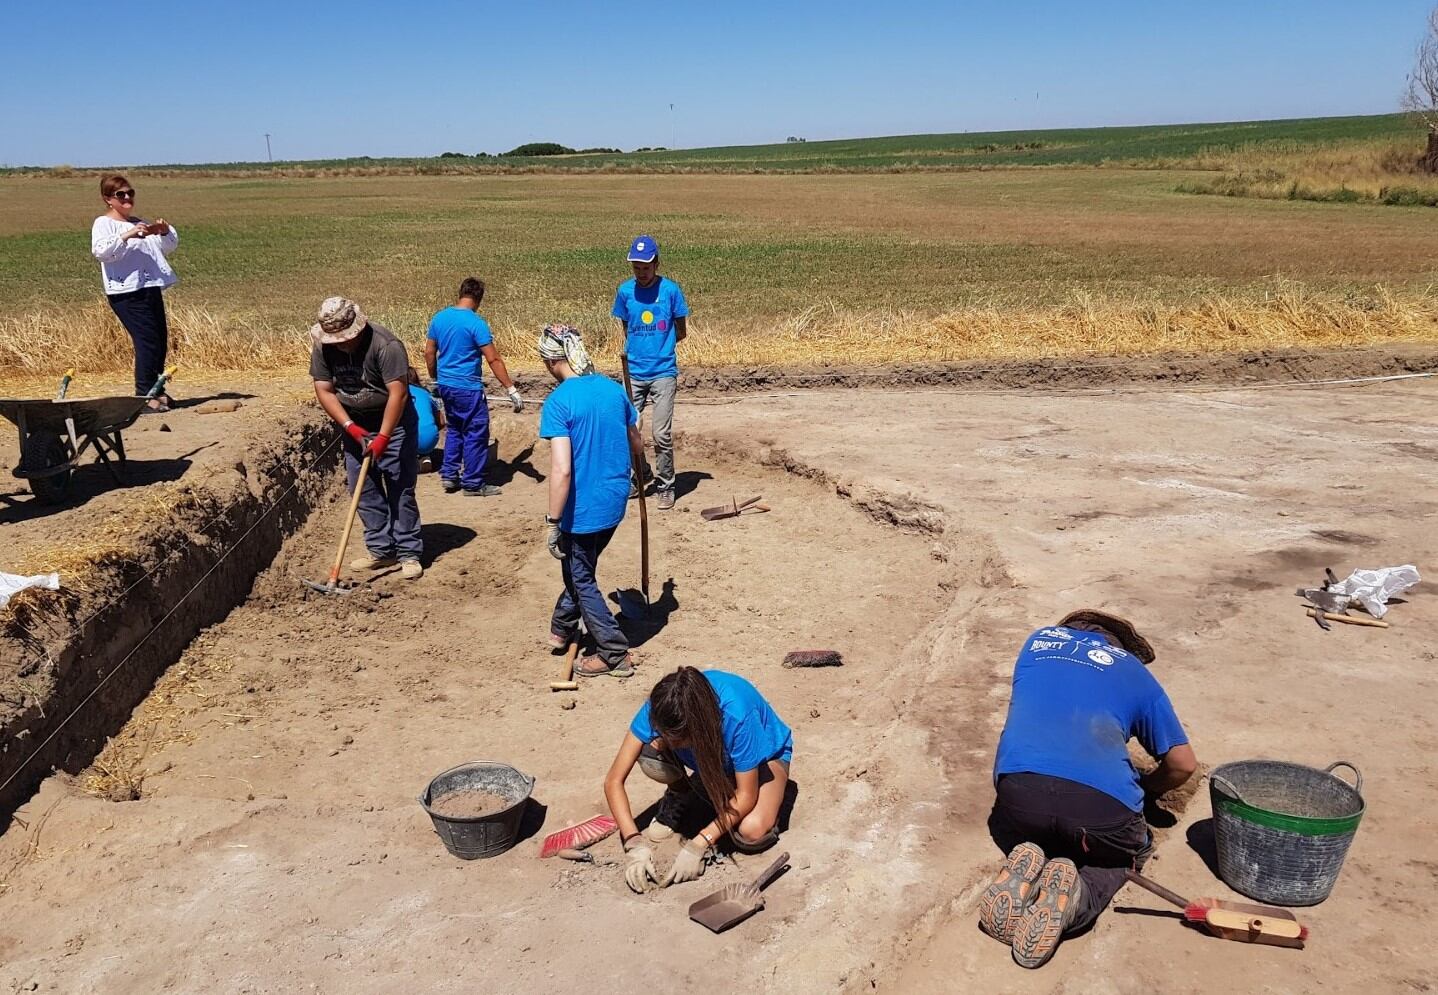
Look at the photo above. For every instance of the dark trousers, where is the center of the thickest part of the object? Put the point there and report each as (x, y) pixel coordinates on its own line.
(581, 598)
(1096, 831)
(142, 312)
(466, 437)
(388, 508)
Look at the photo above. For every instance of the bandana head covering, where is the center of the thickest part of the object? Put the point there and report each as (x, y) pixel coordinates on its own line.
(564, 342)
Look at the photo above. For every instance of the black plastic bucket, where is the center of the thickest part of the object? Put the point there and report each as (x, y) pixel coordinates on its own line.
(487, 835)
(1283, 829)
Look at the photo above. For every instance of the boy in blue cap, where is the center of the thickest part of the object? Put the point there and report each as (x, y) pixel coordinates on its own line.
(457, 339)
(654, 315)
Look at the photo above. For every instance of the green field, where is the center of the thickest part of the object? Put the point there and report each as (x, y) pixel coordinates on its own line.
(1145, 145)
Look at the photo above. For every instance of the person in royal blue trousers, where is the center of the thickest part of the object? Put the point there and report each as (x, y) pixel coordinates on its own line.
(457, 340)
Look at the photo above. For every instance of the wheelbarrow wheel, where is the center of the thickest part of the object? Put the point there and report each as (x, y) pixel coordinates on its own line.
(43, 452)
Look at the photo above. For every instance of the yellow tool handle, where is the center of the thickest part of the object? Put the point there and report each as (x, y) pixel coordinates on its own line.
(1376, 623)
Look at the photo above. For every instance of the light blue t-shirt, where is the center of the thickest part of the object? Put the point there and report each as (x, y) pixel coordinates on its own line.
(648, 314)
(428, 433)
(1076, 703)
(753, 732)
(458, 335)
(594, 413)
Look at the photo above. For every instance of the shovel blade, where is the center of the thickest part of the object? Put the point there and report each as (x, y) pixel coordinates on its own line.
(333, 589)
(727, 907)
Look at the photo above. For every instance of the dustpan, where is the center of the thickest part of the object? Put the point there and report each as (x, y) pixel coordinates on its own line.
(733, 509)
(734, 903)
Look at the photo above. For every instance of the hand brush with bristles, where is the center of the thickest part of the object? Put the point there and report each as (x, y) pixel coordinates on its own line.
(580, 836)
(813, 658)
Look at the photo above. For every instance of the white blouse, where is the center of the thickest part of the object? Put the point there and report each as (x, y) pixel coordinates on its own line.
(129, 264)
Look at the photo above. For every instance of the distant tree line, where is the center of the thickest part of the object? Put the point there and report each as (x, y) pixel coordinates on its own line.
(533, 149)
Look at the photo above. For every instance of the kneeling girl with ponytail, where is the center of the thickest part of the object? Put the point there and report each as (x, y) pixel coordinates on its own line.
(719, 726)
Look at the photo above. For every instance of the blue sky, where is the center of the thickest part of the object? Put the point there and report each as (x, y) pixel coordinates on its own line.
(200, 81)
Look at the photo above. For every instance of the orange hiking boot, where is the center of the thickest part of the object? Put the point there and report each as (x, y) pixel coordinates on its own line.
(1042, 927)
(1012, 892)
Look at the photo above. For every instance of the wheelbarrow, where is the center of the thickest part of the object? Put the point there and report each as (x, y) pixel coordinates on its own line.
(55, 434)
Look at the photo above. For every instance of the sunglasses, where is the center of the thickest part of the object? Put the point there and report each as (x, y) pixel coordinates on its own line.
(123, 195)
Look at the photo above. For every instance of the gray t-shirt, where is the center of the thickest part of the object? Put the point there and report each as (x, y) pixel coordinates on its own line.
(361, 377)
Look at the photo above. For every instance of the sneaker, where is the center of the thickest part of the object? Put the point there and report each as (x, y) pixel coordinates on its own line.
(371, 562)
(594, 666)
(633, 491)
(450, 486)
(1042, 928)
(411, 569)
(483, 490)
(426, 465)
(666, 500)
(558, 643)
(1012, 892)
(671, 813)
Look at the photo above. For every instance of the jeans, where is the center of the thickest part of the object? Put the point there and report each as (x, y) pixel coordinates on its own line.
(1096, 831)
(581, 597)
(466, 439)
(660, 393)
(387, 507)
(142, 312)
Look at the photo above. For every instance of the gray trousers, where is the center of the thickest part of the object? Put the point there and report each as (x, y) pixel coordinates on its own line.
(387, 507)
(659, 393)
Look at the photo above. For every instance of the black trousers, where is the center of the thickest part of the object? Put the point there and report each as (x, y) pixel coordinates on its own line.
(142, 312)
(1067, 819)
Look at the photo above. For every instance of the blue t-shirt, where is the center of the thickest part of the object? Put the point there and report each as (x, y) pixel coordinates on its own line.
(648, 314)
(428, 433)
(1076, 703)
(753, 732)
(458, 335)
(595, 414)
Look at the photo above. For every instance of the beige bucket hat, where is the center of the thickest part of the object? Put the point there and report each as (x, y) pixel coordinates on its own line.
(340, 320)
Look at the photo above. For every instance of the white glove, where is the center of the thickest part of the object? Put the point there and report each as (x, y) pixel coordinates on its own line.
(515, 399)
(552, 536)
(689, 864)
(639, 870)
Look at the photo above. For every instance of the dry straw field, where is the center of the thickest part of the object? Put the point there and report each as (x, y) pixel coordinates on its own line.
(784, 269)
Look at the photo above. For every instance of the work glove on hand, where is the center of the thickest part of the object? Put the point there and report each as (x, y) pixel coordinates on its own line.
(376, 445)
(515, 399)
(689, 864)
(356, 433)
(639, 870)
(551, 538)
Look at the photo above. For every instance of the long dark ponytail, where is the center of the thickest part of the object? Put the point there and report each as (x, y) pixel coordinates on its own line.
(683, 705)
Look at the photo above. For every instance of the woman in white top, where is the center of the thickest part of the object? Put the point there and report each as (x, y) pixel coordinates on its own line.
(132, 252)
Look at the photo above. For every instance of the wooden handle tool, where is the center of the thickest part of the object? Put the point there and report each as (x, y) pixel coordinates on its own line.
(566, 681)
(1375, 623)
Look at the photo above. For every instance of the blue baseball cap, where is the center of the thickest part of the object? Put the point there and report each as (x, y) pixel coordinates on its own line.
(643, 250)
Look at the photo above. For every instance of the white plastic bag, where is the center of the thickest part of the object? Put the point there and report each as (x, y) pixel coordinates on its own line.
(1373, 588)
(13, 584)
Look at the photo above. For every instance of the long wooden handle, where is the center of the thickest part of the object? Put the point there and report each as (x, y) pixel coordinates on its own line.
(638, 461)
(350, 519)
(566, 672)
(1375, 623)
(1158, 889)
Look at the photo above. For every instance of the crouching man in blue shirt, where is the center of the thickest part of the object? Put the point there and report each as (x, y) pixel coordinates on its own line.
(1069, 811)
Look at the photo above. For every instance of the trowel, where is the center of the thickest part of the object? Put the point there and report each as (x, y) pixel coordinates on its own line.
(734, 903)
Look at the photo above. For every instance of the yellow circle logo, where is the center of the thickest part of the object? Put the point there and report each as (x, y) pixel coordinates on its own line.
(647, 317)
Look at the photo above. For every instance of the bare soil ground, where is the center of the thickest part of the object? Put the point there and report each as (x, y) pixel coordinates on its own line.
(278, 845)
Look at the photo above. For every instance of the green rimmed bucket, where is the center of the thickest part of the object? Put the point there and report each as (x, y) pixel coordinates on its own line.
(1283, 829)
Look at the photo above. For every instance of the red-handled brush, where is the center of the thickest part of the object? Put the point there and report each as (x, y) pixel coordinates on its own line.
(1233, 920)
(578, 837)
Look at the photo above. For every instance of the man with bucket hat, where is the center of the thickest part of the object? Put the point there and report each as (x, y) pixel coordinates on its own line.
(653, 313)
(361, 375)
(1069, 806)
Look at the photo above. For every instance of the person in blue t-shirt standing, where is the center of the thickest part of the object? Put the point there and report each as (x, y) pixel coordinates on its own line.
(719, 726)
(457, 339)
(1069, 811)
(592, 431)
(654, 315)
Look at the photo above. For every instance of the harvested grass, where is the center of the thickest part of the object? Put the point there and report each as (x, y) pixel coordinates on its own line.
(1381, 172)
(1289, 315)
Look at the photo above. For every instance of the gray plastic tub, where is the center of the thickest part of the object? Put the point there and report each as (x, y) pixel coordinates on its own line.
(487, 835)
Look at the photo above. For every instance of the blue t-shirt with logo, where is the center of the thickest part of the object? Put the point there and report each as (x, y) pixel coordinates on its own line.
(648, 314)
(1076, 703)
(753, 732)
(594, 413)
(458, 335)
(428, 433)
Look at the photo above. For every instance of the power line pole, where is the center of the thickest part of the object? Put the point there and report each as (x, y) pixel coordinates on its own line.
(673, 129)
(267, 147)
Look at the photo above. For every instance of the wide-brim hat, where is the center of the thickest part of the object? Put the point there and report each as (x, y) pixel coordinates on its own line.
(1122, 629)
(340, 320)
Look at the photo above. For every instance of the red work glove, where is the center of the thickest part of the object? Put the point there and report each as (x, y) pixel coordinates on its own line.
(356, 433)
(377, 444)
